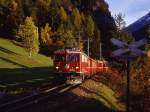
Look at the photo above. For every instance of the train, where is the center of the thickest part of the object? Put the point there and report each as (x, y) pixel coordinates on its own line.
(75, 66)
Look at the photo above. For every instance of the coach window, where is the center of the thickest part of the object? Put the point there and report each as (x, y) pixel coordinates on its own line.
(104, 65)
(73, 58)
(60, 57)
(100, 64)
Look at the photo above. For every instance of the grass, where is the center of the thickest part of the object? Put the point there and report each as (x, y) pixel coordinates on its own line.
(104, 94)
(16, 55)
(18, 71)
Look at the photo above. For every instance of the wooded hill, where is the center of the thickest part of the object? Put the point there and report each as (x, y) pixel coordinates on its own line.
(60, 23)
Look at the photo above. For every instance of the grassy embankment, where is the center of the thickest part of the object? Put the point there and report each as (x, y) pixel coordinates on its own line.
(18, 72)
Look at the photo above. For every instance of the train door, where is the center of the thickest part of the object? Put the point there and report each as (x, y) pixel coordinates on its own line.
(100, 66)
(105, 66)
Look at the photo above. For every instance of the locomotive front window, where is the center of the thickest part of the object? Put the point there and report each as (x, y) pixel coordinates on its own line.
(73, 57)
(60, 57)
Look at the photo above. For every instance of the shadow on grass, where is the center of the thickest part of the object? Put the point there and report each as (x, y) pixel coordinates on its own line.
(6, 50)
(7, 60)
(98, 94)
(69, 102)
(84, 104)
(24, 77)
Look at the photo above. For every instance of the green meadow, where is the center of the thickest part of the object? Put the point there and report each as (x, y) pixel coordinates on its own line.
(19, 72)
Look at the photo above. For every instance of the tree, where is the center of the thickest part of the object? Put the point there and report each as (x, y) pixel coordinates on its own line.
(77, 21)
(63, 14)
(48, 2)
(54, 17)
(147, 47)
(28, 32)
(56, 3)
(148, 31)
(4, 12)
(120, 23)
(89, 26)
(69, 39)
(119, 20)
(127, 37)
(42, 14)
(47, 44)
(46, 35)
(96, 45)
(12, 20)
(66, 36)
(89, 29)
(83, 18)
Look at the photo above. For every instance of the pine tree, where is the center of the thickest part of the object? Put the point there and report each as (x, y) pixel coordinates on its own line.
(89, 26)
(76, 18)
(89, 30)
(12, 20)
(148, 31)
(28, 32)
(54, 17)
(148, 45)
(63, 14)
(95, 45)
(56, 3)
(41, 13)
(83, 18)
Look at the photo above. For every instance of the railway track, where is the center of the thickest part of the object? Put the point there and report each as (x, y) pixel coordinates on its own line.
(35, 98)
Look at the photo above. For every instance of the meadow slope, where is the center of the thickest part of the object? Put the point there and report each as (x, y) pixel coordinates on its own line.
(18, 71)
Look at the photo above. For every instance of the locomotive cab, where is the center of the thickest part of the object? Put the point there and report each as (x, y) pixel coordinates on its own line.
(67, 64)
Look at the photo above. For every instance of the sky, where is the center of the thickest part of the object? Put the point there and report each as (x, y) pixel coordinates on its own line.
(132, 9)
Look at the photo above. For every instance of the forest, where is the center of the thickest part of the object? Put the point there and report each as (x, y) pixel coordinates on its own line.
(60, 23)
(43, 26)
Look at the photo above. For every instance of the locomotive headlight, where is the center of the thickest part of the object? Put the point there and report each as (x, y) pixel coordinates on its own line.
(57, 67)
(77, 67)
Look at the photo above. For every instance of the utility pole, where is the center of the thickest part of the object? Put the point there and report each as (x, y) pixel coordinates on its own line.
(88, 47)
(100, 55)
(79, 38)
(125, 51)
(128, 86)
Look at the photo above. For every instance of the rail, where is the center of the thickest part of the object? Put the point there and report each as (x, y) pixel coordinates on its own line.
(35, 98)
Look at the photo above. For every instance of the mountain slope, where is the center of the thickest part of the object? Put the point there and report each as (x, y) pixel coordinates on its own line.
(13, 56)
(140, 23)
(102, 93)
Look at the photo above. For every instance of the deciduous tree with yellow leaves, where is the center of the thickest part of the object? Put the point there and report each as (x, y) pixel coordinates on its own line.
(28, 32)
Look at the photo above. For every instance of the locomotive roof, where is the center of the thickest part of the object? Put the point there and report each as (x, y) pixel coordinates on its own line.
(74, 50)
(68, 51)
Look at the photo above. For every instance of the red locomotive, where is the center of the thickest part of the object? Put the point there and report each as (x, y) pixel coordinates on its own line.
(76, 65)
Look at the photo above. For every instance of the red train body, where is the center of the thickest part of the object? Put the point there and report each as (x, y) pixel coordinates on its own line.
(74, 64)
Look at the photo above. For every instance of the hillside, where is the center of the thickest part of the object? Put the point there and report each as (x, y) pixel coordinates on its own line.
(142, 22)
(18, 70)
(61, 16)
(13, 56)
(139, 27)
